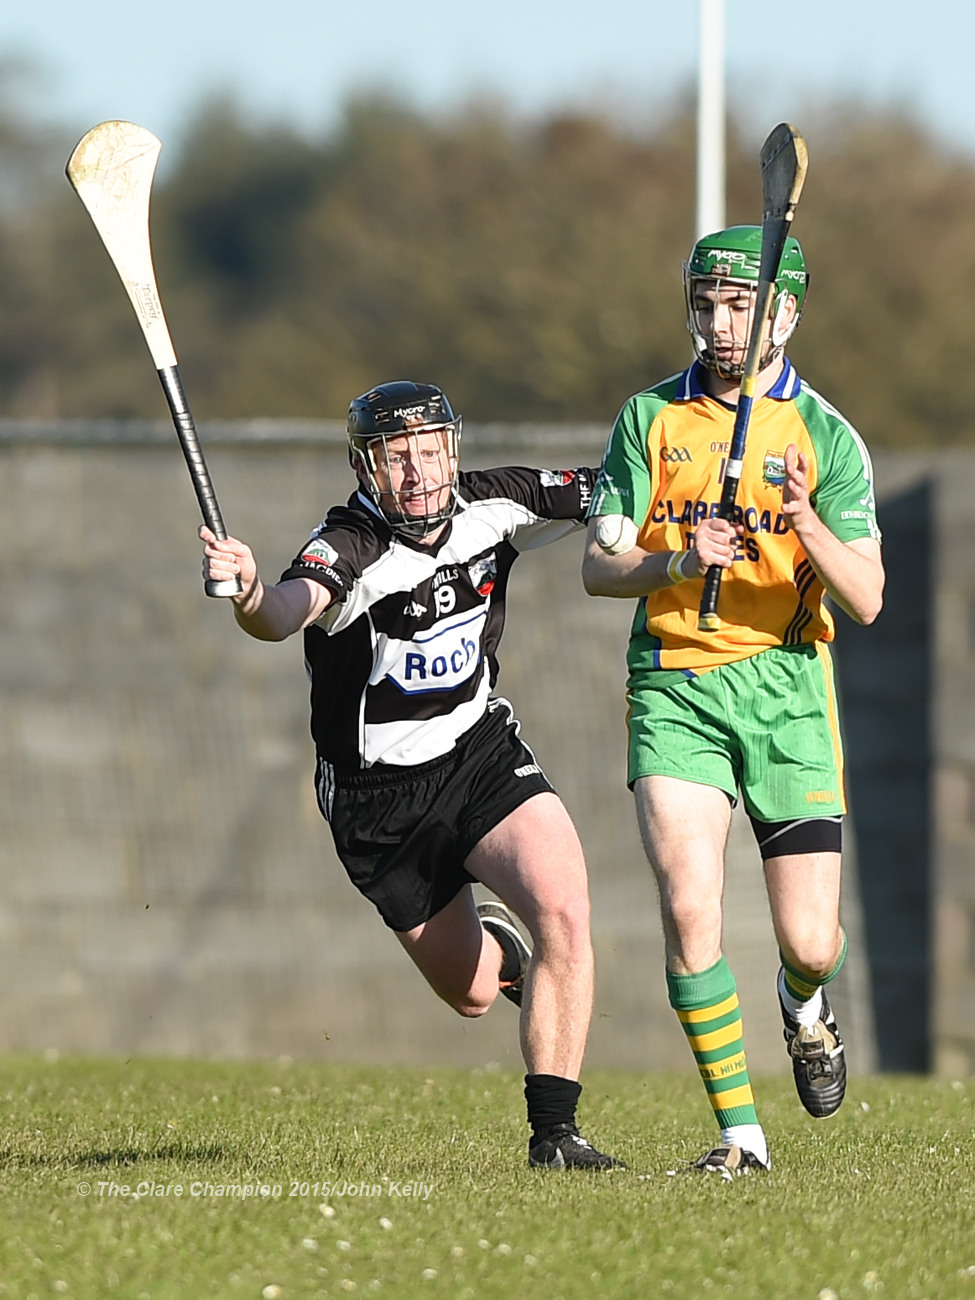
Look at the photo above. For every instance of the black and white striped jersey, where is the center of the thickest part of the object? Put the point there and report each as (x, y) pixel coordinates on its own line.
(403, 661)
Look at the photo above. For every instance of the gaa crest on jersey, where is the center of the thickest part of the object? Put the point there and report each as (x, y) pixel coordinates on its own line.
(773, 471)
(483, 574)
(676, 455)
(555, 477)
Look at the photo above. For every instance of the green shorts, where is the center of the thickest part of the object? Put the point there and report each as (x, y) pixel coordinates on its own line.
(766, 726)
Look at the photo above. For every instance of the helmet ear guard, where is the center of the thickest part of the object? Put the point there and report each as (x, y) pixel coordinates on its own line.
(782, 327)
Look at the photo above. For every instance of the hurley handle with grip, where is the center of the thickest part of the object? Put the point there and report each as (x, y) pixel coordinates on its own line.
(783, 159)
(111, 170)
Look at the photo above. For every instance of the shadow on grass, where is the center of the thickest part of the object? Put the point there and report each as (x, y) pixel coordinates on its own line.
(118, 1158)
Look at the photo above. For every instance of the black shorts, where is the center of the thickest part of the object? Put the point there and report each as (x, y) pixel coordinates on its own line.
(403, 833)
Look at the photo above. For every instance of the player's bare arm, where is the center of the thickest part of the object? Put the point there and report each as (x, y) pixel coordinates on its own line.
(638, 572)
(852, 572)
(265, 613)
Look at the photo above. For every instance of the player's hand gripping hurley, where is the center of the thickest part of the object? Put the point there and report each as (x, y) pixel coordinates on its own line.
(111, 171)
(783, 159)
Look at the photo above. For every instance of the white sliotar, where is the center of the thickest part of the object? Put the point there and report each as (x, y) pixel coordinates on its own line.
(616, 534)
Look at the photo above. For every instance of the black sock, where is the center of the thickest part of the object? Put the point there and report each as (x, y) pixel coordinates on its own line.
(551, 1101)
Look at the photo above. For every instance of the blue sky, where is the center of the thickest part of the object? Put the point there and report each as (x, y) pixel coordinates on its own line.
(298, 60)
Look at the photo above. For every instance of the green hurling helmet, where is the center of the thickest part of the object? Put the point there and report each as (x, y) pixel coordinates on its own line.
(733, 256)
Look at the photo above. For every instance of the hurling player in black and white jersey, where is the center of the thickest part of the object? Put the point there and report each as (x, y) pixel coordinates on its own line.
(421, 772)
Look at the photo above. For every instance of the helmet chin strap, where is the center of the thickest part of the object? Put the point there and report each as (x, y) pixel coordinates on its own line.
(779, 334)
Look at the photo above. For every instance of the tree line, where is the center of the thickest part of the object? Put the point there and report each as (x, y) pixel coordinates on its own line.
(533, 269)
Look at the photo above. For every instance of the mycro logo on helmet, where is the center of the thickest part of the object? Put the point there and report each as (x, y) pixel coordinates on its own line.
(409, 412)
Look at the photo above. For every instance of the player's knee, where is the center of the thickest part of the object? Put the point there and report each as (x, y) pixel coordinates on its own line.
(815, 954)
(469, 1003)
(816, 959)
(563, 920)
(692, 914)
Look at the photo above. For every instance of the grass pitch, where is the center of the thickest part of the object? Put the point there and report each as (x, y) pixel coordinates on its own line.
(163, 1179)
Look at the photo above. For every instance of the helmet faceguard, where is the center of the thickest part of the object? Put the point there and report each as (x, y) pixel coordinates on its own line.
(731, 258)
(385, 427)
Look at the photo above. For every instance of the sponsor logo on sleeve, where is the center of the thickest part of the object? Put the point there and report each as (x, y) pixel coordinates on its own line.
(610, 499)
(555, 477)
(319, 553)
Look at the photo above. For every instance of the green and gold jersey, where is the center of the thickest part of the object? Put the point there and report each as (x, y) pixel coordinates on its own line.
(663, 467)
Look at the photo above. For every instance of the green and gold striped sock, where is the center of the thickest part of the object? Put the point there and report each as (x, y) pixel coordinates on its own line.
(707, 1007)
(803, 987)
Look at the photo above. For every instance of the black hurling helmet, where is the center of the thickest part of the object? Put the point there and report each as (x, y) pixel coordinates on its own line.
(391, 411)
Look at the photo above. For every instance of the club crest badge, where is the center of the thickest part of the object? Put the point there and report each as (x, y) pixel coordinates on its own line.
(773, 472)
(556, 477)
(483, 574)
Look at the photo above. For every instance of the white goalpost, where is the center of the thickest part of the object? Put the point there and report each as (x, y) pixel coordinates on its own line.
(710, 118)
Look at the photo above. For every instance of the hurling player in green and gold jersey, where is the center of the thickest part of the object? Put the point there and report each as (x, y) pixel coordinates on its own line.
(748, 710)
